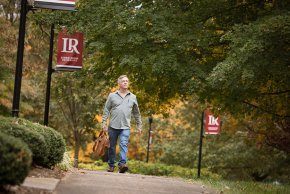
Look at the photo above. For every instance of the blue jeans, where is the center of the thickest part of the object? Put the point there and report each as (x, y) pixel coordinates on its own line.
(124, 138)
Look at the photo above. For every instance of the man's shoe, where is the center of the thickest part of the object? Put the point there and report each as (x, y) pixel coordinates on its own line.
(123, 168)
(111, 169)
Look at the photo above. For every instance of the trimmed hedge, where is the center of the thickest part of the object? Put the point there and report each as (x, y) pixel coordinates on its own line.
(46, 144)
(15, 160)
(34, 140)
(54, 141)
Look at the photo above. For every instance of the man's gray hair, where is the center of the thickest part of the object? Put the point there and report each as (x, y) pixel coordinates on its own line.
(121, 77)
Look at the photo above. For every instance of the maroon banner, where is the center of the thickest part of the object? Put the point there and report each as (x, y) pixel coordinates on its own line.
(212, 124)
(69, 51)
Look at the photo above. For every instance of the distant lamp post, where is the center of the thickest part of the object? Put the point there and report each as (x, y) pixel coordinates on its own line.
(200, 145)
(150, 120)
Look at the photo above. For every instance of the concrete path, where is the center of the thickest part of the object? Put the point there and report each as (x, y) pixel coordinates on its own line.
(41, 183)
(100, 182)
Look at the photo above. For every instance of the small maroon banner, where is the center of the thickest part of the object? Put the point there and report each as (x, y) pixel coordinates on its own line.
(70, 51)
(212, 124)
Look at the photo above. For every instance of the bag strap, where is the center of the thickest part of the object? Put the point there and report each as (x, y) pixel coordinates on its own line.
(103, 133)
(94, 147)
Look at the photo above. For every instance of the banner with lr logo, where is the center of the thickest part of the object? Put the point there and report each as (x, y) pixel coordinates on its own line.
(69, 51)
(212, 124)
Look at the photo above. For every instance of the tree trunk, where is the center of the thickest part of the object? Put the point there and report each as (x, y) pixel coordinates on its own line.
(76, 148)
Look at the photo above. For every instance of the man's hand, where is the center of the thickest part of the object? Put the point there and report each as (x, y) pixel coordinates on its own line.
(105, 129)
(139, 131)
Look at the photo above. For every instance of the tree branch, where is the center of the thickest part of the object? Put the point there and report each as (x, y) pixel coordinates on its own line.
(226, 11)
(63, 112)
(264, 110)
(276, 93)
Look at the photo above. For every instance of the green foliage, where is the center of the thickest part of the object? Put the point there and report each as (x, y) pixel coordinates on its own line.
(172, 49)
(184, 152)
(167, 47)
(66, 163)
(74, 102)
(78, 107)
(235, 157)
(235, 154)
(47, 145)
(250, 72)
(159, 169)
(53, 139)
(254, 77)
(15, 160)
(34, 66)
(35, 141)
(6, 40)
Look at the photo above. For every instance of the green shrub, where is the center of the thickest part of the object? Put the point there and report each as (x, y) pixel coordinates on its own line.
(159, 169)
(54, 141)
(46, 144)
(15, 160)
(34, 140)
(66, 163)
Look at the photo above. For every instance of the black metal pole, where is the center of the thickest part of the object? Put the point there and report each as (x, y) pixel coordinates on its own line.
(200, 146)
(19, 60)
(49, 73)
(150, 119)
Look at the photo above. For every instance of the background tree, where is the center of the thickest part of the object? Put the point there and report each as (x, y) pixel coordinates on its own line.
(234, 153)
(79, 98)
(7, 54)
(254, 77)
(172, 49)
(10, 10)
(169, 47)
(34, 67)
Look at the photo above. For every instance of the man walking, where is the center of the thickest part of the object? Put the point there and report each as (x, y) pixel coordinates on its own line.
(120, 105)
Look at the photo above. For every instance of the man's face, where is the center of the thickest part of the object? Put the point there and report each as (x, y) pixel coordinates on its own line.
(124, 83)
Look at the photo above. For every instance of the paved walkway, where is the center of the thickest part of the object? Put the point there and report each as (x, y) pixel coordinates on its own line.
(100, 182)
(41, 183)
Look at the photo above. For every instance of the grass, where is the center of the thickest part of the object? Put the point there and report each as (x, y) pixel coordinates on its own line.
(98, 165)
(209, 179)
(245, 187)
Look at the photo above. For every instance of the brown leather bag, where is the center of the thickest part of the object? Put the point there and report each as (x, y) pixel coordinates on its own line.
(101, 144)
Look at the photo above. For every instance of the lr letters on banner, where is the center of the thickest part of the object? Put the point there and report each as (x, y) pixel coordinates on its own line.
(212, 124)
(69, 51)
